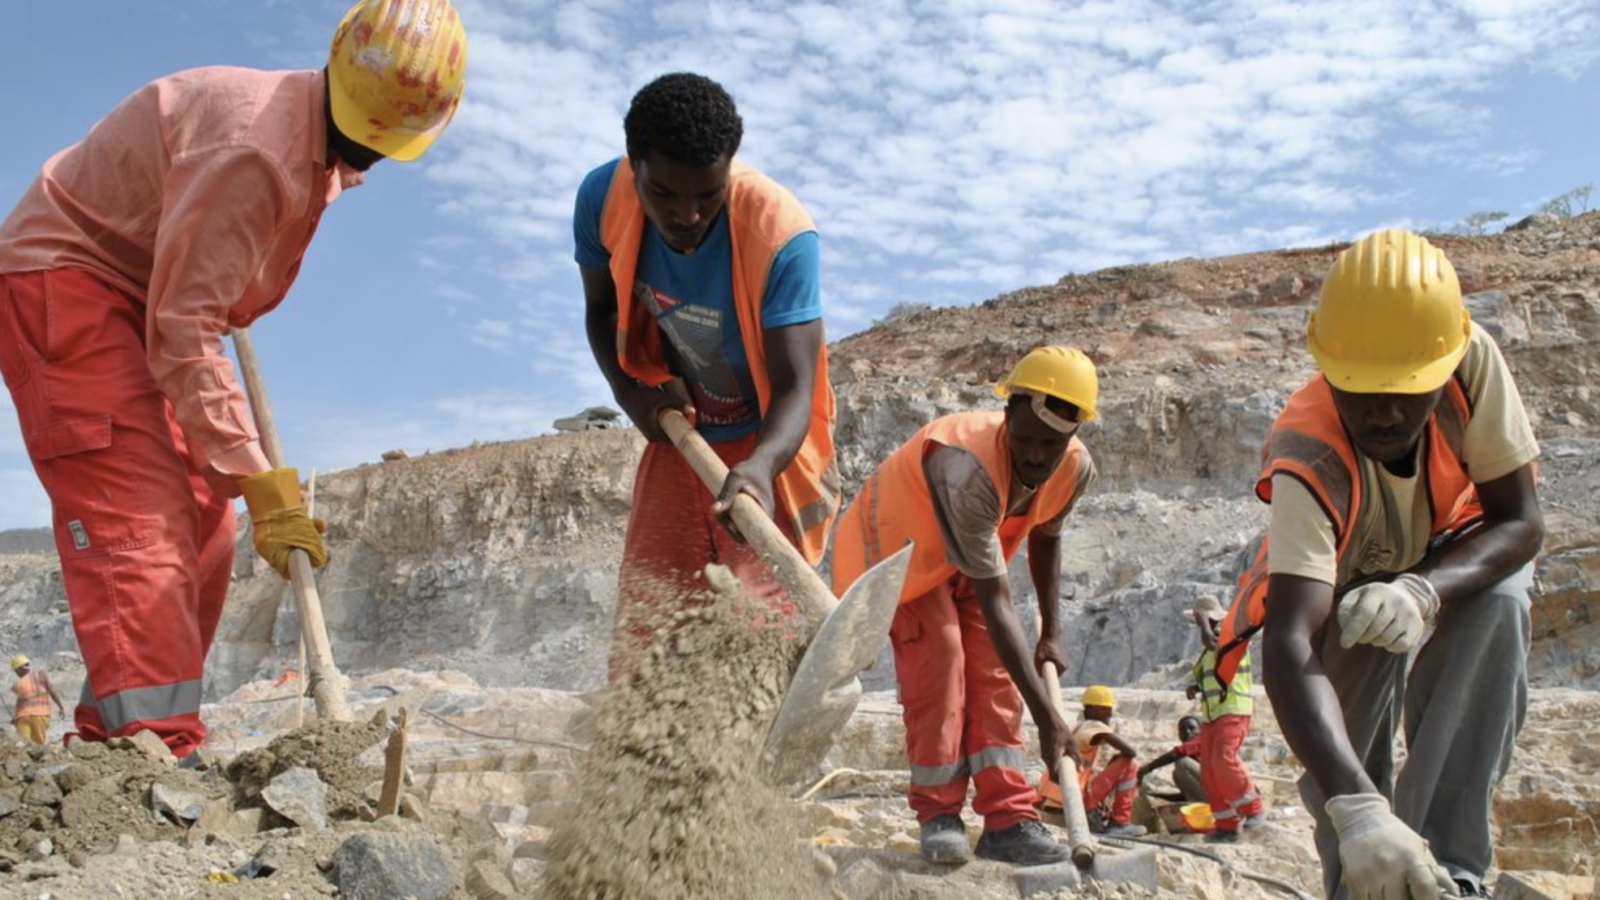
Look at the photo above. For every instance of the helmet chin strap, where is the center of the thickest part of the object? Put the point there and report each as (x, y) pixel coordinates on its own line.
(1036, 400)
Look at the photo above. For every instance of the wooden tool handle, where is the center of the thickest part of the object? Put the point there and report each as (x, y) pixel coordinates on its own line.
(1079, 839)
(802, 582)
(327, 684)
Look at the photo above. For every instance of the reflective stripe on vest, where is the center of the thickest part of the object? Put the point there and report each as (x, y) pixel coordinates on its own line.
(1309, 443)
(896, 506)
(1217, 700)
(32, 698)
(762, 217)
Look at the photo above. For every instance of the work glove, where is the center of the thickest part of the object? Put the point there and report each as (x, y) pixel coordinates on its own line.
(1391, 615)
(1381, 857)
(278, 515)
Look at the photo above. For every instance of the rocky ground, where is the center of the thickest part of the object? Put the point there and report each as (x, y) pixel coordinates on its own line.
(497, 774)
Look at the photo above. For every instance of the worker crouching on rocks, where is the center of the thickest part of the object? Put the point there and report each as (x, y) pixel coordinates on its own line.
(1401, 480)
(969, 489)
(185, 212)
(1110, 789)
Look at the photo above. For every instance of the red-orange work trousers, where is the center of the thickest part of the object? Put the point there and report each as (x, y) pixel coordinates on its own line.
(963, 713)
(1118, 782)
(672, 536)
(1229, 790)
(146, 545)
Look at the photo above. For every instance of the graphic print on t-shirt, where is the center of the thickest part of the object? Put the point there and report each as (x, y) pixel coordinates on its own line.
(695, 335)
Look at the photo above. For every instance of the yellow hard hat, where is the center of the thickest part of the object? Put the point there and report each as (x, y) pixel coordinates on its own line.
(1061, 372)
(1390, 319)
(18, 661)
(395, 74)
(1099, 695)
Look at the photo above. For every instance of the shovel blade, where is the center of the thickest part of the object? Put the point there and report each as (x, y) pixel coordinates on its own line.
(823, 693)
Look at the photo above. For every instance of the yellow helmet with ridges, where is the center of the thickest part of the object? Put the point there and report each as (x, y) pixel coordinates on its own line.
(1061, 372)
(395, 74)
(1099, 695)
(1390, 318)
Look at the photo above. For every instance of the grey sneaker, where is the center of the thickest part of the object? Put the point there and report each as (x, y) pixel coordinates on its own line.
(944, 841)
(1027, 843)
(1127, 829)
(1255, 821)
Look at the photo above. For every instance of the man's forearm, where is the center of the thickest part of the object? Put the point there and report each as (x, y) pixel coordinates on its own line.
(1044, 567)
(1308, 710)
(1511, 535)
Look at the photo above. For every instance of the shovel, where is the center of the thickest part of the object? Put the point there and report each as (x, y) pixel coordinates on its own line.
(845, 634)
(327, 685)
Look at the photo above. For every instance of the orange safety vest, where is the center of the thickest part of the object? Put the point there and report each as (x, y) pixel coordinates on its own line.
(32, 698)
(895, 505)
(762, 217)
(1309, 443)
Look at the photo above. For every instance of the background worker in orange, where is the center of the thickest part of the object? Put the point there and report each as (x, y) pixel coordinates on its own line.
(184, 213)
(1402, 488)
(1235, 802)
(31, 715)
(1110, 790)
(702, 287)
(967, 489)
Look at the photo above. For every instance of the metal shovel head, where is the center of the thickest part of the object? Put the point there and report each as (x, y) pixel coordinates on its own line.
(823, 693)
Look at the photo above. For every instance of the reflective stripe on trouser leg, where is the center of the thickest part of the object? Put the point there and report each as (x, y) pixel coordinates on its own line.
(126, 524)
(961, 724)
(1465, 703)
(672, 535)
(1118, 782)
(1228, 786)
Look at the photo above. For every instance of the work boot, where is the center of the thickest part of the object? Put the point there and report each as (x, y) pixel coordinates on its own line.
(1126, 829)
(1224, 837)
(1467, 889)
(1027, 843)
(944, 841)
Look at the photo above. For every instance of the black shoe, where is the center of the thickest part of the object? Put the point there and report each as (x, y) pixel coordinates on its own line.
(1224, 837)
(1468, 889)
(1027, 843)
(944, 841)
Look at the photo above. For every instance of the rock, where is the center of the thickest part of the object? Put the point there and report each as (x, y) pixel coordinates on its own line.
(486, 882)
(1536, 221)
(10, 801)
(595, 418)
(383, 866)
(87, 750)
(394, 455)
(74, 777)
(147, 742)
(180, 803)
(42, 792)
(299, 796)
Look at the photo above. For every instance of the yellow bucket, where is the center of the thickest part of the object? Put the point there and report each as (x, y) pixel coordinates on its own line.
(1197, 817)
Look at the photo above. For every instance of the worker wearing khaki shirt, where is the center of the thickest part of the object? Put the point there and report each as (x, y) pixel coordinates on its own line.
(1402, 488)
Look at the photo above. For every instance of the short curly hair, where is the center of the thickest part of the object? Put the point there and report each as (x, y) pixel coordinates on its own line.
(687, 118)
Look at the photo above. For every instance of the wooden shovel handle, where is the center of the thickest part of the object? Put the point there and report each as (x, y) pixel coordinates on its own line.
(327, 684)
(802, 582)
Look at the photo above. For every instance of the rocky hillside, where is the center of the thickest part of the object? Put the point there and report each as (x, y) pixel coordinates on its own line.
(500, 560)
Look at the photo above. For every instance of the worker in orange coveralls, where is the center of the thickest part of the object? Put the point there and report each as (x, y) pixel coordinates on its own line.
(183, 213)
(967, 490)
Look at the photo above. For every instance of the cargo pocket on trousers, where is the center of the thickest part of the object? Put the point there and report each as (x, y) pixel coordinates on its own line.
(98, 495)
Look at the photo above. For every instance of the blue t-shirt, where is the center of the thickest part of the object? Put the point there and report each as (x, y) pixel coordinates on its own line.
(691, 298)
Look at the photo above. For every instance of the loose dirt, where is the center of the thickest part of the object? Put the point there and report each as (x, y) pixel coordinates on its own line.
(673, 806)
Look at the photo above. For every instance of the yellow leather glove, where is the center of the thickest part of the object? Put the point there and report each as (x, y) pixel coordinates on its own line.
(280, 523)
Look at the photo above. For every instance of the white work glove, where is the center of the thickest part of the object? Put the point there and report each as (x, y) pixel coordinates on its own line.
(1390, 615)
(1381, 857)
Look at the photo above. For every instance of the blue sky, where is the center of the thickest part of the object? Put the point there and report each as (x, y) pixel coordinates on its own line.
(950, 151)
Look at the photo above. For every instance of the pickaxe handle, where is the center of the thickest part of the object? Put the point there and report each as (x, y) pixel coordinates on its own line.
(802, 582)
(1079, 840)
(327, 685)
